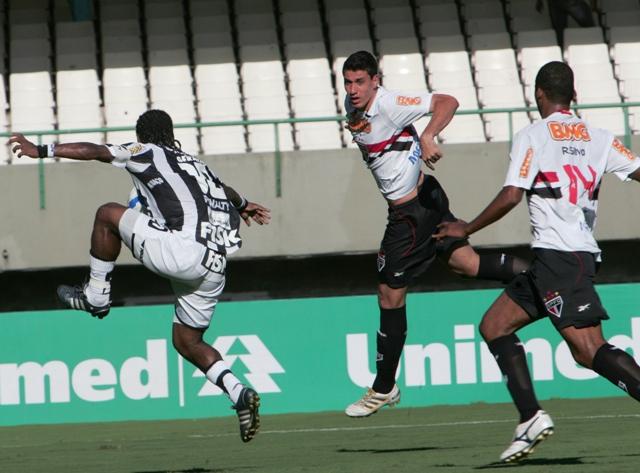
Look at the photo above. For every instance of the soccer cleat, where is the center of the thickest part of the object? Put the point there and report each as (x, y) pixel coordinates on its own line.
(372, 401)
(247, 410)
(527, 436)
(74, 297)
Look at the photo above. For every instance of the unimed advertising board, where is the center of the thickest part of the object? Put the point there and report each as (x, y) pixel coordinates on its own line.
(64, 366)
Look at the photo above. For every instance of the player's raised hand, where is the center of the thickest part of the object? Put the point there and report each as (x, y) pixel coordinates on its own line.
(455, 229)
(21, 146)
(431, 152)
(256, 212)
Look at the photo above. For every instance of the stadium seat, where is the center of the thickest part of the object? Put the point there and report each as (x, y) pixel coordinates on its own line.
(618, 5)
(123, 113)
(485, 25)
(207, 8)
(482, 9)
(463, 129)
(624, 41)
(163, 9)
(220, 109)
(227, 139)
(621, 18)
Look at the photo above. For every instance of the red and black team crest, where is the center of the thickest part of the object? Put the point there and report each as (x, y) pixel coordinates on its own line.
(381, 260)
(357, 123)
(553, 302)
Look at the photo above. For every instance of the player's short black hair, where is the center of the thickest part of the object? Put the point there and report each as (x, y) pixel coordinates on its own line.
(361, 61)
(156, 127)
(555, 79)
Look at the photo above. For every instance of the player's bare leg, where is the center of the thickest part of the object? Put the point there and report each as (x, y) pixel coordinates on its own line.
(591, 350)
(390, 341)
(95, 296)
(498, 328)
(189, 343)
(464, 261)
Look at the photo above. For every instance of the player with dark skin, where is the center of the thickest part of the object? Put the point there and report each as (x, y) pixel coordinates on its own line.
(505, 317)
(180, 234)
(559, 284)
(106, 242)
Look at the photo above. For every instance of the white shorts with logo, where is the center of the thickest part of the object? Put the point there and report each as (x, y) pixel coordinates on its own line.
(176, 256)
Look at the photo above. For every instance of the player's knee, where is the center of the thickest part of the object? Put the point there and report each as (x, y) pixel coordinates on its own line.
(490, 329)
(109, 214)
(391, 298)
(184, 341)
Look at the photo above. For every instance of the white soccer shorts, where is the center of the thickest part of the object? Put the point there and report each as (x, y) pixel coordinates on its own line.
(176, 256)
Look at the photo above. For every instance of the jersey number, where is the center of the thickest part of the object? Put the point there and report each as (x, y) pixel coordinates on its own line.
(576, 177)
(198, 171)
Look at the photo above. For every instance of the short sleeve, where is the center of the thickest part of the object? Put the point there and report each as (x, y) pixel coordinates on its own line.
(523, 164)
(403, 110)
(123, 153)
(621, 160)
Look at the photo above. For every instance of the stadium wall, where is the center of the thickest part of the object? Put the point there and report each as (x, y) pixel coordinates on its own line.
(329, 204)
(302, 355)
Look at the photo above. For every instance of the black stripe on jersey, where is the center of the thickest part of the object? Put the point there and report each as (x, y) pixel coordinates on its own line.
(400, 146)
(166, 198)
(546, 192)
(194, 189)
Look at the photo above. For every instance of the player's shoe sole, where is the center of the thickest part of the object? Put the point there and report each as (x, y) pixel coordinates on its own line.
(73, 297)
(527, 436)
(372, 402)
(248, 415)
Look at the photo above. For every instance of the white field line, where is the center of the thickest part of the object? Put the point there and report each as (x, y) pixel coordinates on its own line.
(411, 426)
(341, 429)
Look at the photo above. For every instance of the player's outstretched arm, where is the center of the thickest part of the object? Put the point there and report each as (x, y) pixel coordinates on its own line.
(442, 109)
(501, 205)
(248, 210)
(80, 151)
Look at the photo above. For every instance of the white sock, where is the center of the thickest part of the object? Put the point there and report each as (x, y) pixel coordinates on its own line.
(98, 291)
(220, 375)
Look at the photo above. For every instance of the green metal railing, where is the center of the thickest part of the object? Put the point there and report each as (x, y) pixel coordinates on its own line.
(282, 121)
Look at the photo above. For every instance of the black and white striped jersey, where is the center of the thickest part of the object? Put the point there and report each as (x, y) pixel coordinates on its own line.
(181, 194)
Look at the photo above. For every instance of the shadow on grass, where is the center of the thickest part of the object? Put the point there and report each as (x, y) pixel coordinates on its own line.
(537, 462)
(388, 450)
(194, 470)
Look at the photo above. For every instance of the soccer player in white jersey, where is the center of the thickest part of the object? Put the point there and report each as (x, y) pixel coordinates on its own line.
(188, 226)
(558, 162)
(381, 123)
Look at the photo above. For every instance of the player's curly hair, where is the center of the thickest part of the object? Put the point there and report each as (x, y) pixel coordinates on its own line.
(555, 79)
(361, 61)
(156, 127)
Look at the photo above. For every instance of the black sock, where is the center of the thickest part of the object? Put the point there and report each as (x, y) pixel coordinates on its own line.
(618, 367)
(391, 337)
(512, 360)
(500, 267)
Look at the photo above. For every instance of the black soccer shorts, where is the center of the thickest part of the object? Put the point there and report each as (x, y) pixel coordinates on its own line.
(559, 285)
(407, 249)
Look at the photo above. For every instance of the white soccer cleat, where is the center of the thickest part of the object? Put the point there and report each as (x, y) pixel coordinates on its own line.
(372, 401)
(527, 436)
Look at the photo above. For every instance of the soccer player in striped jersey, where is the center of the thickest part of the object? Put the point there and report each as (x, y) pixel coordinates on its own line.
(188, 225)
(381, 123)
(559, 163)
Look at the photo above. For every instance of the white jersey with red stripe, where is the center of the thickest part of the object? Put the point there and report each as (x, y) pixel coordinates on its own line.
(388, 140)
(560, 161)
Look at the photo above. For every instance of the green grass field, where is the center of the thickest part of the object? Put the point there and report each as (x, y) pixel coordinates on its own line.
(599, 435)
